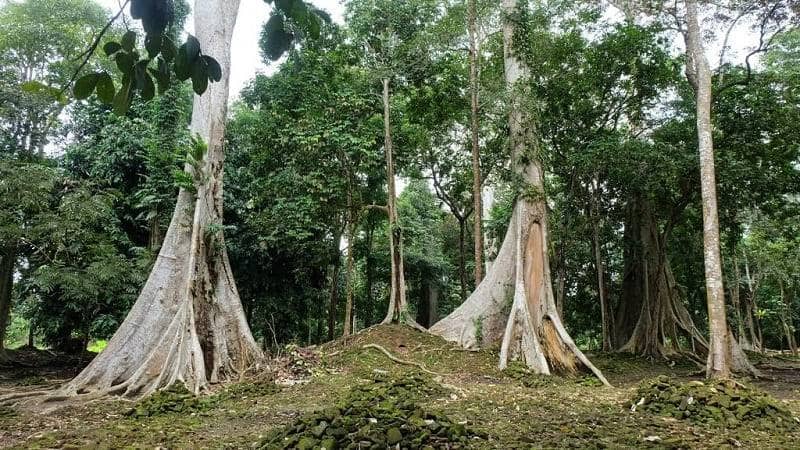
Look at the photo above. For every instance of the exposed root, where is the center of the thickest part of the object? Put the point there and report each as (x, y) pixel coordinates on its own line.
(404, 362)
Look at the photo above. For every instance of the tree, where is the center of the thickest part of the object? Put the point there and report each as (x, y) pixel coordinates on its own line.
(39, 43)
(521, 274)
(187, 324)
(393, 34)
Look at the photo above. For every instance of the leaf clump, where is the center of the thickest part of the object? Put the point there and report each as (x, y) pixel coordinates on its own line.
(713, 402)
(383, 414)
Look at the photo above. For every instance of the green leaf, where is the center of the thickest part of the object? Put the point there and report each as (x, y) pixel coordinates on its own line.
(168, 49)
(214, 69)
(85, 85)
(105, 87)
(199, 77)
(192, 46)
(128, 40)
(153, 44)
(183, 69)
(111, 47)
(122, 101)
(143, 81)
(125, 62)
(275, 38)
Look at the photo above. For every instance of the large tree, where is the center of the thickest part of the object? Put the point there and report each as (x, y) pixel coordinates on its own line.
(532, 329)
(187, 324)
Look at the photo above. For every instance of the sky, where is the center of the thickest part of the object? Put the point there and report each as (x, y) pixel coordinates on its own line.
(245, 55)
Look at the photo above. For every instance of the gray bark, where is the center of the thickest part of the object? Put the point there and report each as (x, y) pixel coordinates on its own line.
(398, 304)
(699, 75)
(475, 130)
(7, 262)
(188, 324)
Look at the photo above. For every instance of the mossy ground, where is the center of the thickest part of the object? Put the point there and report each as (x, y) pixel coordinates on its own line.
(513, 409)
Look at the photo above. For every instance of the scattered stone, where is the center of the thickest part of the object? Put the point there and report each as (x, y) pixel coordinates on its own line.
(724, 403)
(174, 399)
(384, 414)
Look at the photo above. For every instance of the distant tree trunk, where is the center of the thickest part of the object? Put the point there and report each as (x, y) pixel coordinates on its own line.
(736, 302)
(599, 266)
(476, 156)
(333, 292)
(398, 305)
(724, 356)
(462, 251)
(531, 330)
(8, 259)
(350, 265)
(369, 277)
(428, 304)
(187, 325)
(651, 314)
(787, 328)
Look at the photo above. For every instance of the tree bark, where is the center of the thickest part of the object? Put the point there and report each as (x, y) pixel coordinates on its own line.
(188, 324)
(350, 265)
(398, 305)
(787, 328)
(428, 304)
(651, 314)
(333, 297)
(477, 197)
(462, 269)
(599, 267)
(8, 259)
(721, 353)
(515, 304)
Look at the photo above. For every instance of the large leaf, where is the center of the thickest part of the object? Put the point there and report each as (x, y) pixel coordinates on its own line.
(199, 78)
(276, 40)
(213, 67)
(111, 47)
(128, 41)
(105, 87)
(84, 86)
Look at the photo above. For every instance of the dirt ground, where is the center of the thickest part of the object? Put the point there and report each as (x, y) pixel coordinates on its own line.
(513, 409)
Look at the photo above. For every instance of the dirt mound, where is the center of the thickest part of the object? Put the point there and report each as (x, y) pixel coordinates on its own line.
(383, 414)
(724, 403)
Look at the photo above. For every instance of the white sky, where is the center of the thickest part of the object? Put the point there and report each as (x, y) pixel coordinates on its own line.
(245, 54)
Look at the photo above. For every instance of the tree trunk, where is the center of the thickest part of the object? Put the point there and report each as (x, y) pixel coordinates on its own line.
(188, 324)
(722, 353)
(398, 305)
(515, 303)
(428, 304)
(350, 265)
(650, 297)
(599, 266)
(736, 301)
(462, 269)
(477, 197)
(333, 291)
(787, 329)
(369, 276)
(8, 259)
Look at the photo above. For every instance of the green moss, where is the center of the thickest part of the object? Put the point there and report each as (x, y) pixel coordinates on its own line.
(385, 413)
(722, 403)
(175, 399)
(249, 390)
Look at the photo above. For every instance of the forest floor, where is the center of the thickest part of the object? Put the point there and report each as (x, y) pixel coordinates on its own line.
(509, 409)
